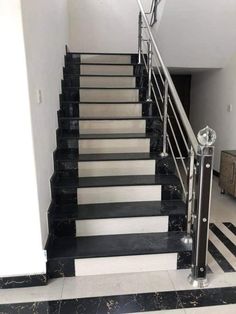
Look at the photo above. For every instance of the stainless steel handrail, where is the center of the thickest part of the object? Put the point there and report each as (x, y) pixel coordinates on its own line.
(179, 106)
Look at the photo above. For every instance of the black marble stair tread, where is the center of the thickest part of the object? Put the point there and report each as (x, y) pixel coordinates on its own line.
(118, 210)
(117, 245)
(115, 88)
(75, 134)
(64, 181)
(73, 155)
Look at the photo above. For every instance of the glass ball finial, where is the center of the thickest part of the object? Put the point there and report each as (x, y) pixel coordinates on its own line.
(206, 136)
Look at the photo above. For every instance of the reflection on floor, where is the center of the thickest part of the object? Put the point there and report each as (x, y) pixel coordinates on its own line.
(168, 291)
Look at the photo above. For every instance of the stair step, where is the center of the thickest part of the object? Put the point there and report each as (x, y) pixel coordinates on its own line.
(119, 253)
(60, 180)
(109, 94)
(112, 118)
(118, 210)
(117, 218)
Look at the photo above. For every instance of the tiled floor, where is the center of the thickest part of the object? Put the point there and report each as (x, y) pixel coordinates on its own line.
(223, 209)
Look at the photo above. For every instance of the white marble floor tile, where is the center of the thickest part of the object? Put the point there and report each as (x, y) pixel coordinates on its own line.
(52, 291)
(180, 281)
(116, 284)
(219, 309)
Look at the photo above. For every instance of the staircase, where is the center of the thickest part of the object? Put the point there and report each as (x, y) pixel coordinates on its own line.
(116, 204)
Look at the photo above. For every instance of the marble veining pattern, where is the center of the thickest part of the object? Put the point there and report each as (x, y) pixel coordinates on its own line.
(133, 303)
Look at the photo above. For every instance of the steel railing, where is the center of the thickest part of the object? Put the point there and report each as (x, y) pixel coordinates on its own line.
(195, 168)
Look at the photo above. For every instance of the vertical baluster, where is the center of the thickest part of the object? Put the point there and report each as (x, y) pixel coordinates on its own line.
(140, 38)
(190, 197)
(165, 117)
(149, 91)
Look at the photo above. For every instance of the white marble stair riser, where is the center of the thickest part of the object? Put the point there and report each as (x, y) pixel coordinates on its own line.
(110, 110)
(112, 126)
(96, 227)
(125, 264)
(109, 95)
(103, 146)
(108, 81)
(116, 168)
(105, 58)
(116, 194)
(99, 69)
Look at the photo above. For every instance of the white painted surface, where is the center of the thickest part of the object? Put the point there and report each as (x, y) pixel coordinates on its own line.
(115, 194)
(197, 34)
(112, 126)
(116, 168)
(93, 58)
(20, 236)
(211, 93)
(125, 264)
(110, 110)
(106, 70)
(96, 227)
(114, 146)
(45, 33)
(108, 81)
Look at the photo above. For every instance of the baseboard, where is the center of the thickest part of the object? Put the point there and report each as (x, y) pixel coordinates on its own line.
(23, 281)
(216, 173)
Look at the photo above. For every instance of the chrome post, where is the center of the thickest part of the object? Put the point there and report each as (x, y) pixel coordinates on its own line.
(149, 92)
(165, 117)
(140, 38)
(190, 197)
(201, 217)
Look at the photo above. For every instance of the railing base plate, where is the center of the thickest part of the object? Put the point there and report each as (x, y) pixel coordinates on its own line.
(187, 239)
(198, 282)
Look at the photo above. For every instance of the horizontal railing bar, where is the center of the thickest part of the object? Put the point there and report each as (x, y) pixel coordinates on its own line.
(172, 88)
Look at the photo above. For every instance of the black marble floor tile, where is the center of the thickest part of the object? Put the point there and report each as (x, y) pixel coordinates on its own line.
(46, 307)
(231, 227)
(122, 304)
(23, 281)
(117, 245)
(207, 297)
(223, 238)
(220, 259)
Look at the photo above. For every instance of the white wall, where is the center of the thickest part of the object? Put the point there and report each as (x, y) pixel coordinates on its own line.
(212, 92)
(45, 32)
(104, 25)
(20, 236)
(197, 34)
